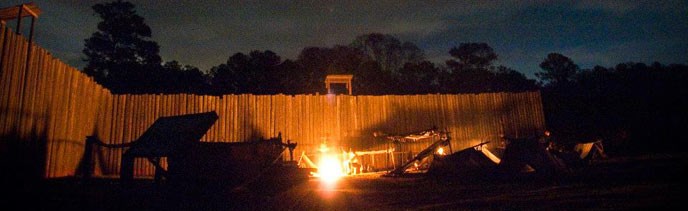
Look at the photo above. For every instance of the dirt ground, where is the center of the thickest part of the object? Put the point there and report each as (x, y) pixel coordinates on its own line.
(619, 183)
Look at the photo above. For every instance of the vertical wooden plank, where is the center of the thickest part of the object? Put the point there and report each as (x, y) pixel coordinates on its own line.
(71, 142)
(29, 95)
(44, 105)
(121, 123)
(239, 113)
(58, 102)
(3, 42)
(9, 81)
(115, 131)
(57, 127)
(20, 84)
(63, 120)
(49, 110)
(12, 81)
(245, 98)
(242, 116)
(76, 118)
(226, 108)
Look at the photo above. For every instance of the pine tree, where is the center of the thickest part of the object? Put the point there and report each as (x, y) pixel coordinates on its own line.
(120, 54)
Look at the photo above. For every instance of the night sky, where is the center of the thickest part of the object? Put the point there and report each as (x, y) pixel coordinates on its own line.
(205, 34)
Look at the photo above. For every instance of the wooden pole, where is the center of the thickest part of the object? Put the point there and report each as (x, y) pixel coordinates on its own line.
(33, 23)
(19, 14)
(28, 54)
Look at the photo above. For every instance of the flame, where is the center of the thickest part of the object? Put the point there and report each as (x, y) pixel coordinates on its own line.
(440, 151)
(329, 165)
(349, 161)
(329, 168)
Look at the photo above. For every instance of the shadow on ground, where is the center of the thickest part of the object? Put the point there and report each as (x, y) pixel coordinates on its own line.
(639, 182)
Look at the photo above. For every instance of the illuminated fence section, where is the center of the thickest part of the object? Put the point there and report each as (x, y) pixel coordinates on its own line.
(51, 107)
(46, 109)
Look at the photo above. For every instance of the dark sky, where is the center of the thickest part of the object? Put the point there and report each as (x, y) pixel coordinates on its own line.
(206, 33)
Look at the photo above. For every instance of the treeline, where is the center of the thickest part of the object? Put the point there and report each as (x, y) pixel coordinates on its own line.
(381, 64)
(122, 57)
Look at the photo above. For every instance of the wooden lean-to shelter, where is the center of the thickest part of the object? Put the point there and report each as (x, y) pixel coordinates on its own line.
(177, 139)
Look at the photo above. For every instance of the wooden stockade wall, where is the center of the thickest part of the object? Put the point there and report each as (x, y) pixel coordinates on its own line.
(48, 108)
(343, 120)
(61, 106)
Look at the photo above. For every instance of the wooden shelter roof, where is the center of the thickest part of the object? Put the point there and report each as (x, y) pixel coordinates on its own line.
(29, 9)
(339, 77)
(171, 133)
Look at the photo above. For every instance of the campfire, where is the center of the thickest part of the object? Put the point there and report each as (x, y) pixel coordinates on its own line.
(329, 166)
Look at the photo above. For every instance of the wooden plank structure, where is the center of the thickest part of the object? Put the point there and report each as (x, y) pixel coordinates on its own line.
(176, 139)
(50, 108)
(46, 109)
(338, 79)
(443, 140)
(166, 137)
(19, 12)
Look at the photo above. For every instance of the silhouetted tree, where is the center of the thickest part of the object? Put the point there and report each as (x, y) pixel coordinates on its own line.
(390, 53)
(369, 79)
(223, 78)
(469, 70)
(120, 54)
(261, 76)
(314, 62)
(507, 79)
(557, 69)
(256, 73)
(291, 78)
(472, 56)
(418, 78)
(178, 78)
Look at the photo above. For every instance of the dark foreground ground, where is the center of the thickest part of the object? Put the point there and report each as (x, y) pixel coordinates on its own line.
(640, 182)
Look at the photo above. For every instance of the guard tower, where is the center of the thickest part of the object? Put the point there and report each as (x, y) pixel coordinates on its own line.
(338, 79)
(18, 12)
